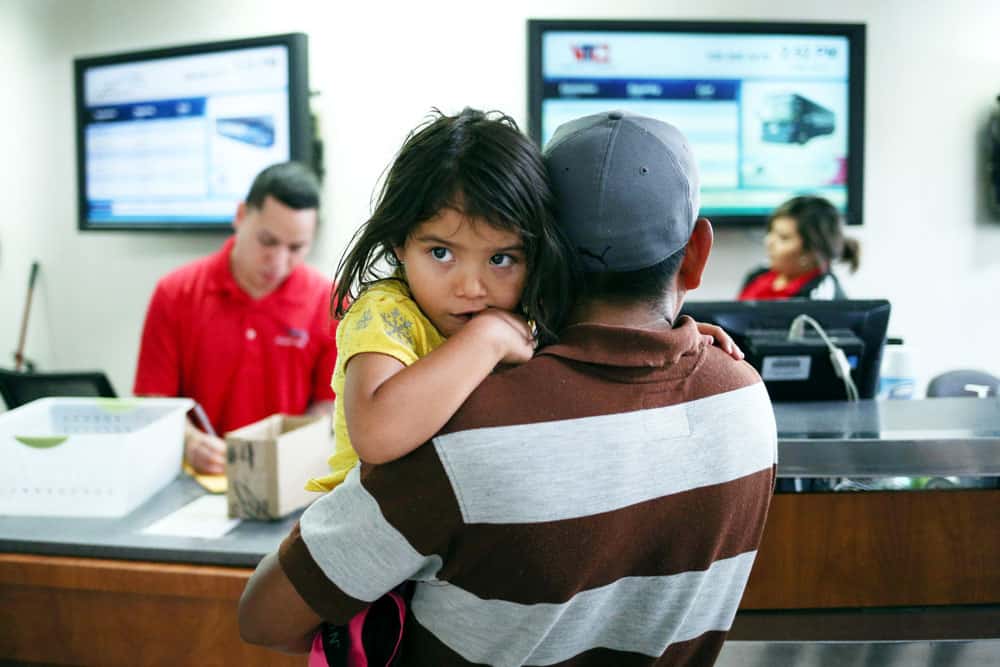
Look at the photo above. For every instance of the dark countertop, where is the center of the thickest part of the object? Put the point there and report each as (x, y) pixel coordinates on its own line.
(123, 538)
(936, 436)
(932, 418)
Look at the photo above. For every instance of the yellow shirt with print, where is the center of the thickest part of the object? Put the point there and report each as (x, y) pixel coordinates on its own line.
(384, 319)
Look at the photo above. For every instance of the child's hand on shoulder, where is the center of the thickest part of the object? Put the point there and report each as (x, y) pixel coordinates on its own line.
(509, 331)
(715, 334)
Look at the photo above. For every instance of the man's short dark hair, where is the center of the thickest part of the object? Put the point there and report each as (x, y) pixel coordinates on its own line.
(291, 183)
(649, 284)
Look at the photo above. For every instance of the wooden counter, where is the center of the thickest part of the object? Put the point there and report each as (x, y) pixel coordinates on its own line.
(879, 549)
(91, 611)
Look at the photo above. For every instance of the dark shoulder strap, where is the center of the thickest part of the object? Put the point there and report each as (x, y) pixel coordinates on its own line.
(825, 286)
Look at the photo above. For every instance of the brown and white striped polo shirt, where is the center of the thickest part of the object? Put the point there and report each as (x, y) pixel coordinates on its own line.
(599, 505)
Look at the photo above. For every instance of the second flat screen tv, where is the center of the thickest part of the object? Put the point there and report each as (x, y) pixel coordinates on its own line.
(772, 110)
(172, 138)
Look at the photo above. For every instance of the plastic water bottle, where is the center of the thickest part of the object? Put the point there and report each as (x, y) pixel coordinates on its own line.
(897, 378)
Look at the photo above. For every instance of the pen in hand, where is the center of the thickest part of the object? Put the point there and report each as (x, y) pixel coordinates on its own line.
(205, 425)
(204, 450)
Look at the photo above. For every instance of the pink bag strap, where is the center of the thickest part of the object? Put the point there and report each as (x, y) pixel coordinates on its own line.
(317, 656)
(356, 656)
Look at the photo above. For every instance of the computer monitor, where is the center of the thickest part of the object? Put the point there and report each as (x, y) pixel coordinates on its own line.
(17, 389)
(772, 110)
(800, 368)
(172, 138)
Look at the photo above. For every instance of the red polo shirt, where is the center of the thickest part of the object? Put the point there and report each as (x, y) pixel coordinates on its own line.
(241, 359)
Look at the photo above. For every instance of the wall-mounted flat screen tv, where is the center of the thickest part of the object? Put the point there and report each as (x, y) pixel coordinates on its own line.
(172, 138)
(772, 110)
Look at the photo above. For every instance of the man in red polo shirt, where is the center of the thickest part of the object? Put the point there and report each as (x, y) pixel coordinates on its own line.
(246, 332)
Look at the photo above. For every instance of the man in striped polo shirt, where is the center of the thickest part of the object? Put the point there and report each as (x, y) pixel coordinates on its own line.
(599, 505)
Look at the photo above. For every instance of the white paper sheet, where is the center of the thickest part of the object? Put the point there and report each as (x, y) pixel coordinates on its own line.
(204, 517)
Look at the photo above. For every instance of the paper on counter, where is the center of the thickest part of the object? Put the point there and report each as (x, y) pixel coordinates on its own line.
(205, 517)
(211, 483)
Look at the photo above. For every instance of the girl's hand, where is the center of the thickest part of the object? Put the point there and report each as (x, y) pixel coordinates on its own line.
(717, 335)
(511, 333)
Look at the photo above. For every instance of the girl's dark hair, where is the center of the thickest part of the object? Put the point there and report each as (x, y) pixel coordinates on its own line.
(820, 227)
(479, 164)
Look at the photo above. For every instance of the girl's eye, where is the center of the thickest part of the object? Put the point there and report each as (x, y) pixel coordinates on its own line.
(501, 259)
(440, 253)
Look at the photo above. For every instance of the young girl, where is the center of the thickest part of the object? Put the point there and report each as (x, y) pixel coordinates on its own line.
(465, 225)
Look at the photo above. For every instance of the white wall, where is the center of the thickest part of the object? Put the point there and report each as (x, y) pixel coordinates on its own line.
(25, 150)
(933, 74)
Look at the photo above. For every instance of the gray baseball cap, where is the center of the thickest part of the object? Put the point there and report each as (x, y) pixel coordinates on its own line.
(627, 187)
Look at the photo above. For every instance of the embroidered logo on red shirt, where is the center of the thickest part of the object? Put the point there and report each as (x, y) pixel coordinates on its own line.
(293, 338)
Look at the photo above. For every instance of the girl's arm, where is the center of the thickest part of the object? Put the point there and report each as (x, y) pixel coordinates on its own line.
(392, 409)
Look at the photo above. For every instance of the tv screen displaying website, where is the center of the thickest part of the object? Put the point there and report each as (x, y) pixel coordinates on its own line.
(174, 138)
(771, 111)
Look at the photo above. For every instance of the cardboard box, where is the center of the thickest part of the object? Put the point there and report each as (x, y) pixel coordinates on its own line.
(88, 457)
(269, 462)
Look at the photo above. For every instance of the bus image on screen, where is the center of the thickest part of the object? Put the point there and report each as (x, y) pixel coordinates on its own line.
(792, 118)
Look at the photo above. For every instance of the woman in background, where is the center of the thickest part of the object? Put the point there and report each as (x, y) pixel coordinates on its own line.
(804, 238)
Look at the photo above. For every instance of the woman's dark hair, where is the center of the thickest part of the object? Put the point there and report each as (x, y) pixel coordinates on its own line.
(479, 164)
(820, 227)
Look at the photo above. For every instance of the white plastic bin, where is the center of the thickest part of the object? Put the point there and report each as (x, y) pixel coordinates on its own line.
(88, 456)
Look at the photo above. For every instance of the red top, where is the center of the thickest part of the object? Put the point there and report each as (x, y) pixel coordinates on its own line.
(762, 288)
(241, 359)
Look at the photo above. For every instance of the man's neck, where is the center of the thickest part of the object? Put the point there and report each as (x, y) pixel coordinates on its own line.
(636, 315)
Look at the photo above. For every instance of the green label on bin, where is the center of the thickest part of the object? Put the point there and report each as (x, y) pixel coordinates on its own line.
(41, 441)
(116, 405)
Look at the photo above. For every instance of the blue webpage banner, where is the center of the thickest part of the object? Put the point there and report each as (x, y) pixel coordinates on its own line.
(159, 110)
(664, 89)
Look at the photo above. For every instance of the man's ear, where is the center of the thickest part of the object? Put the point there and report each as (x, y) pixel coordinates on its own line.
(696, 256)
(241, 214)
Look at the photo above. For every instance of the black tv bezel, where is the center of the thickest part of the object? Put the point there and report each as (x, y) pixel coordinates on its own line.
(299, 120)
(854, 32)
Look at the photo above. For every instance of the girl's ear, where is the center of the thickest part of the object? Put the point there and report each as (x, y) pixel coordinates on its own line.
(396, 252)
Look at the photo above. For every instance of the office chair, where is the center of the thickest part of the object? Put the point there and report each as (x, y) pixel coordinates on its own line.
(966, 382)
(16, 389)
(963, 383)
